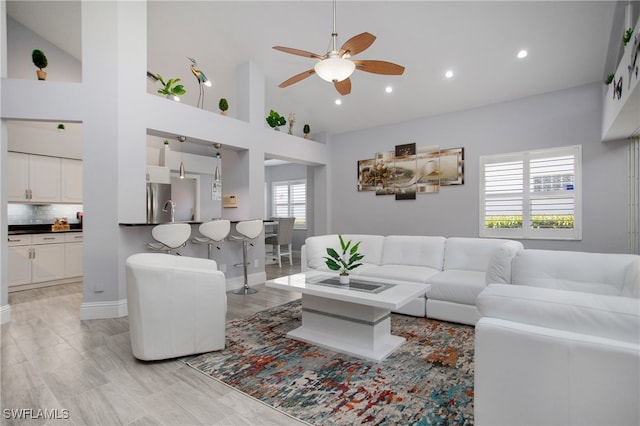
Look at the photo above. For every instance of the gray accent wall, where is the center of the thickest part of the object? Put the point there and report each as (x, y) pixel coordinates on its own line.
(567, 117)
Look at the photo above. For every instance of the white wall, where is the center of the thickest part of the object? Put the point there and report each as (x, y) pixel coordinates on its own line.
(567, 117)
(21, 41)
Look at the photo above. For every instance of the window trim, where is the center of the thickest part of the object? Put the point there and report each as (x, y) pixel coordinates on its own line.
(526, 232)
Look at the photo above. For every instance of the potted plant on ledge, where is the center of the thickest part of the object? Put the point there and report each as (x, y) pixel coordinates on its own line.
(169, 90)
(275, 120)
(223, 105)
(40, 60)
(345, 262)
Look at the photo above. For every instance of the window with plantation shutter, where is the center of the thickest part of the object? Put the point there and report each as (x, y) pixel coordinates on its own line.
(533, 194)
(290, 200)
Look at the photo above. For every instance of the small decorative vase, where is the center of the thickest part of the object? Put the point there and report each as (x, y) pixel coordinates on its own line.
(42, 75)
(306, 135)
(223, 112)
(344, 279)
(277, 128)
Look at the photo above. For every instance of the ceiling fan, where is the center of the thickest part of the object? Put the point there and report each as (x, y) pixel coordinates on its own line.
(336, 65)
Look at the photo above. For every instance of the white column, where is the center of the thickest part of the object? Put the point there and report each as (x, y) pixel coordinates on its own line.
(114, 146)
(250, 93)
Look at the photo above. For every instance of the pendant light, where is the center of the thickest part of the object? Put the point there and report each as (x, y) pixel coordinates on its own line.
(216, 175)
(181, 139)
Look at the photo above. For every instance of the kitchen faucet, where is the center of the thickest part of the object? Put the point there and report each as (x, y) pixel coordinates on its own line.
(173, 209)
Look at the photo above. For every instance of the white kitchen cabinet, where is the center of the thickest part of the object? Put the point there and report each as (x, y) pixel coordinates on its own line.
(73, 255)
(33, 178)
(38, 258)
(17, 176)
(158, 174)
(19, 260)
(70, 180)
(47, 263)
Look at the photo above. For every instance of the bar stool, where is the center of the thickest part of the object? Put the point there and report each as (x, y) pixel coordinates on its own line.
(170, 236)
(214, 232)
(248, 230)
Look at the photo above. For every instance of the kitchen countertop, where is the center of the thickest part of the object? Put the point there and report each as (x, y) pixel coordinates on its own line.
(40, 229)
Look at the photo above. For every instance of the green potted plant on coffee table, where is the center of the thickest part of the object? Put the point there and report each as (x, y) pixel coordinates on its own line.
(346, 261)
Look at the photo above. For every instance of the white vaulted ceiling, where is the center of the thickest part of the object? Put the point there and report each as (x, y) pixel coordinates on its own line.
(567, 42)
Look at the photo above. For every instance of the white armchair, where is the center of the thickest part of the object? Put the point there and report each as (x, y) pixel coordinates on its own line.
(177, 305)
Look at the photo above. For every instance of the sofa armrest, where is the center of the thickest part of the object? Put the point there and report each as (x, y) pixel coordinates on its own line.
(499, 267)
(612, 317)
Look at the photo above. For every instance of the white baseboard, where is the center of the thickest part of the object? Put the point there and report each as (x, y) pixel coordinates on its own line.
(237, 282)
(102, 310)
(5, 314)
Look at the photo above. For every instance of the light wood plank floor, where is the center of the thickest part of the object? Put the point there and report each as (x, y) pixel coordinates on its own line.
(52, 360)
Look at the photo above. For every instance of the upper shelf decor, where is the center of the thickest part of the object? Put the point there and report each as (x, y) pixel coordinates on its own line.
(202, 81)
(275, 120)
(223, 105)
(171, 89)
(40, 60)
(408, 171)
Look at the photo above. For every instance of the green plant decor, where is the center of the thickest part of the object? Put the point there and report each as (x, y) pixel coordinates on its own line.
(306, 129)
(275, 120)
(171, 88)
(223, 104)
(609, 79)
(627, 36)
(347, 261)
(39, 59)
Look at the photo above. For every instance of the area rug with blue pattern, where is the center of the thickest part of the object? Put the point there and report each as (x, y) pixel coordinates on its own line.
(427, 381)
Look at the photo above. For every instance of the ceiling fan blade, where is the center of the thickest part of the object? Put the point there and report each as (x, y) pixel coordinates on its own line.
(379, 67)
(343, 87)
(298, 52)
(296, 78)
(357, 44)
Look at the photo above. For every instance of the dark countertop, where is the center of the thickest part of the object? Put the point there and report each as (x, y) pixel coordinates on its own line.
(40, 228)
(190, 223)
(154, 224)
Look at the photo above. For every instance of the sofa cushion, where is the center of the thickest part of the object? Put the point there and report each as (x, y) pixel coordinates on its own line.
(599, 273)
(413, 250)
(611, 317)
(414, 274)
(456, 286)
(499, 268)
(470, 254)
(316, 248)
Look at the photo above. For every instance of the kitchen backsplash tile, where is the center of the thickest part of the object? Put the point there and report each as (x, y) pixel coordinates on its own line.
(26, 214)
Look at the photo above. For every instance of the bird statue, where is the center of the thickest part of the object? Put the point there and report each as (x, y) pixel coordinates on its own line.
(202, 81)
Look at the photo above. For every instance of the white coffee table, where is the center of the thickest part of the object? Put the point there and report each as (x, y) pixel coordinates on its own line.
(347, 319)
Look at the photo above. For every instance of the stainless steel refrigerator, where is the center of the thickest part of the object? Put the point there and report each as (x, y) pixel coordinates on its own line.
(157, 196)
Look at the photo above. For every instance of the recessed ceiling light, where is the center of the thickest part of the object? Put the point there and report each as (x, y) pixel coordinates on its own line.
(448, 74)
(338, 101)
(522, 54)
(388, 89)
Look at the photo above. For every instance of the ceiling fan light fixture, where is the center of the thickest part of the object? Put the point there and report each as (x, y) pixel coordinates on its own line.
(334, 68)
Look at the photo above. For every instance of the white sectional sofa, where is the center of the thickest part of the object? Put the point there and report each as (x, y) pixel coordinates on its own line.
(456, 268)
(561, 343)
